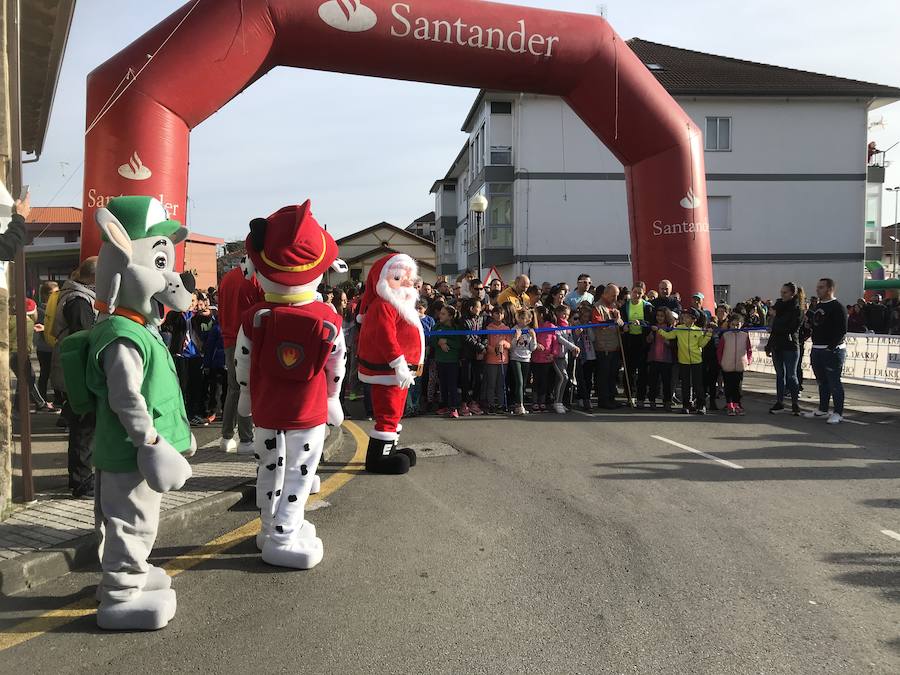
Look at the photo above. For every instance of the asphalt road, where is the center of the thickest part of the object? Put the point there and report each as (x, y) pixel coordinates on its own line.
(551, 544)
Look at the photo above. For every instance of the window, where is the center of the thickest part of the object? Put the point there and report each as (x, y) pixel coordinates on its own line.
(501, 107)
(873, 214)
(721, 294)
(718, 134)
(719, 213)
(501, 154)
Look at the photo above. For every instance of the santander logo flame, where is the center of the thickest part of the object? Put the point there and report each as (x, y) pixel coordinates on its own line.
(348, 15)
(135, 169)
(691, 201)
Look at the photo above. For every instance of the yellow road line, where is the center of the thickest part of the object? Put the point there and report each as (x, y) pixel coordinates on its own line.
(48, 621)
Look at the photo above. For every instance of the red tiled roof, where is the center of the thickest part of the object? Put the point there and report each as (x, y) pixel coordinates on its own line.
(54, 214)
(685, 72)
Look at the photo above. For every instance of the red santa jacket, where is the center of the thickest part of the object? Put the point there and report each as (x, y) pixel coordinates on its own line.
(290, 346)
(237, 294)
(386, 336)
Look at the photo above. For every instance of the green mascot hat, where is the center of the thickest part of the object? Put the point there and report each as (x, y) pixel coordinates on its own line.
(144, 217)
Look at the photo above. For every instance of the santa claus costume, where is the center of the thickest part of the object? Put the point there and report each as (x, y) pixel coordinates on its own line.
(289, 364)
(391, 354)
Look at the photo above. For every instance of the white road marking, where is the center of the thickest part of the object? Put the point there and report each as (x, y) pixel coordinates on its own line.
(891, 534)
(699, 452)
(862, 424)
(582, 413)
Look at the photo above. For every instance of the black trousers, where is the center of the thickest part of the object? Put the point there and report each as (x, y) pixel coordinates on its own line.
(33, 392)
(80, 454)
(733, 382)
(584, 374)
(691, 383)
(217, 389)
(606, 375)
(193, 385)
(635, 366)
(660, 373)
(543, 379)
(45, 360)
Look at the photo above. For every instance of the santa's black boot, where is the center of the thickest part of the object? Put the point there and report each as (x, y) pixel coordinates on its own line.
(409, 452)
(380, 458)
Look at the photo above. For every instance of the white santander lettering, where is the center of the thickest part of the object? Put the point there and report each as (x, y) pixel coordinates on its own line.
(458, 32)
(395, 10)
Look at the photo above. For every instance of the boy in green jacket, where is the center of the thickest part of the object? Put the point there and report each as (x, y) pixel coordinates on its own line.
(691, 339)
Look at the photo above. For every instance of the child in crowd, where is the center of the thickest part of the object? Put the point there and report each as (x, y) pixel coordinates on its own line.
(587, 356)
(691, 340)
(735, 354)
(471, 357)
(413, 401)
(542, 360)
(446, 355)
(214, 369)
(660, 359)
(523, 344)
(564, 345)
(495, 364)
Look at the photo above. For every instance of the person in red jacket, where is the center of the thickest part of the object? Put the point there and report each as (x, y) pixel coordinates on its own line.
(391, 354)
(238, 291)
(290, 363)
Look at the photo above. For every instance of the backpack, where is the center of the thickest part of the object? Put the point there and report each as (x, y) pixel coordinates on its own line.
(74, 351)
(50, 317)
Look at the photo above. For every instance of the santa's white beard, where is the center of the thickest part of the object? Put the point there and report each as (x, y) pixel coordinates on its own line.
(403, 300)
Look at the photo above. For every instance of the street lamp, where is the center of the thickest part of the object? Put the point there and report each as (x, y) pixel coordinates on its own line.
(896, 191)
(478, 205)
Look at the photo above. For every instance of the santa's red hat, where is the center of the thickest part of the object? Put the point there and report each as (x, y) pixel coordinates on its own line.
(290, 247)
(379, 273)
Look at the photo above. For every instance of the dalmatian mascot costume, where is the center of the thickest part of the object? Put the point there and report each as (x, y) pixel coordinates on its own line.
(391, 354)
(125, 372)
(290, 357)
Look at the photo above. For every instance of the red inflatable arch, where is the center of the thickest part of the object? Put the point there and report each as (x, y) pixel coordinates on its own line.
(143, 102)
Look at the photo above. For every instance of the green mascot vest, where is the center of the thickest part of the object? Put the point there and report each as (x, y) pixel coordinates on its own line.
(113, 450)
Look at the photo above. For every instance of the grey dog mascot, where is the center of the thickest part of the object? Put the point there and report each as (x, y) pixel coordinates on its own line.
(122, 371)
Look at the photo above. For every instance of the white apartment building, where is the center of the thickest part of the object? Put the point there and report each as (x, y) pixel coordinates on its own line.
(786, 163)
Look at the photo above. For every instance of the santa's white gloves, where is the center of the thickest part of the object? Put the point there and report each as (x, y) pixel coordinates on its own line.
(162, 466)
(405, 377)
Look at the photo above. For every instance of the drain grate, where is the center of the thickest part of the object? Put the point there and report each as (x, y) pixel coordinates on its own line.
(426, 450)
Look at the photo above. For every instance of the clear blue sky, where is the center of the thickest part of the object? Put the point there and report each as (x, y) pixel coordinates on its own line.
(366, 150)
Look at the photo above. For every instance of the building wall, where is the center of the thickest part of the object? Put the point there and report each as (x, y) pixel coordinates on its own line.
(808, 205)
(202, 258)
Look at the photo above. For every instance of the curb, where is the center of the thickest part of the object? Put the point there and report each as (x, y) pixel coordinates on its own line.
(33, 569)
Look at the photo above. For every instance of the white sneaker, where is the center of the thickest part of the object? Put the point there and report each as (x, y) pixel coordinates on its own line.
(245, 449)
(228, 445)
(814, 413)
(559, 409)
(835, 419)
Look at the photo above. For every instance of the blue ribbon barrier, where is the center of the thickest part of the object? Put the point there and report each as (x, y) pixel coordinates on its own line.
(556, 329)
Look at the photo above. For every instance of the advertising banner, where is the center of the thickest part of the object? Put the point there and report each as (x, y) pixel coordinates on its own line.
(870, 358)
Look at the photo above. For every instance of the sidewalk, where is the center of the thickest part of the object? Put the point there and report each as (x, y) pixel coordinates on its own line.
(859, 398)
(55, 534)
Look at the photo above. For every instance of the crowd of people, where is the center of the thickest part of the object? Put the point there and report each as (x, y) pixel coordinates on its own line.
(528, 349)
(491, 350)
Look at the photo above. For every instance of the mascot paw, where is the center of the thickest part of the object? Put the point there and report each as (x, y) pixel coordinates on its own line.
(193, 449)
(335, 412)
(162, 466)
(316, 485)
(297, 553)
(307, 531)
(244, 408)
(157, 580)
(150, 610)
